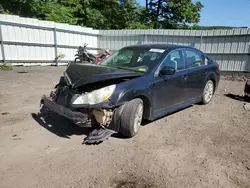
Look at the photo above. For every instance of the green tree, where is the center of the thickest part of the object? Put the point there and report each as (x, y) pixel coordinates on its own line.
(112, 14)
(109, 14)
(52, 10)
(20, 7)
(172, 14)
(57, 12)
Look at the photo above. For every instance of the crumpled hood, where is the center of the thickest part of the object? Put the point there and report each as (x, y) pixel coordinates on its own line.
(78, 74)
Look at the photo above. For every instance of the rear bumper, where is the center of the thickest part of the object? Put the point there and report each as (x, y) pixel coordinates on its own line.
(66, 112)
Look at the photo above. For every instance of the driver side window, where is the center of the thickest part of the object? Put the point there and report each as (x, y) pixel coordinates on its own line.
(175, 60)
(123, 58)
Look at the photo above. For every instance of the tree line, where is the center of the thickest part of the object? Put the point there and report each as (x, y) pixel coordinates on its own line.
(110, 14)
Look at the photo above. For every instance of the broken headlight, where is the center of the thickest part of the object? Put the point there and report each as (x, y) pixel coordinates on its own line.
(96, 96)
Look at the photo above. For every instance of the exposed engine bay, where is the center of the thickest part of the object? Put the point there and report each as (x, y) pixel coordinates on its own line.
(87, 104)
(98, 118)
(102, 116)
(63, 96)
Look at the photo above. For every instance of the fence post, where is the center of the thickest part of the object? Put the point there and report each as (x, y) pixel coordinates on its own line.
(1, 41)
(248, 59)
(55, 44)
(145, 39)
(200, 41)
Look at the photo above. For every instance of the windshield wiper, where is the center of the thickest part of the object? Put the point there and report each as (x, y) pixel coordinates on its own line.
(125, 68)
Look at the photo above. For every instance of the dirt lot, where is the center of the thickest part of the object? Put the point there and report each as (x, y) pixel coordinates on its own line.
(201, 146)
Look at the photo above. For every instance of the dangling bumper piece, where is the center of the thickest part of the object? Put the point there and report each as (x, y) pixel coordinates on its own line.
(63, 111)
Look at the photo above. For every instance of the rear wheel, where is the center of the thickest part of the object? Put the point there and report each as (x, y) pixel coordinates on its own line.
(131, 118)
(208, 92)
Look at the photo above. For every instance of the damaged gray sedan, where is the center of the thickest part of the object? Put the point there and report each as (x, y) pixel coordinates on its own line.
(135, 83)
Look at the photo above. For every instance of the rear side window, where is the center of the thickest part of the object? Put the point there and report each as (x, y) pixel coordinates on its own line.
(195, 58)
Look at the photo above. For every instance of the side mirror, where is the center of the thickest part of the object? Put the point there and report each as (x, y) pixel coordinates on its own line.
(167, 70)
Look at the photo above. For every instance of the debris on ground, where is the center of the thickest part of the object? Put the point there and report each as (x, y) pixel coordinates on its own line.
(246, 106)
(17, 139)
(5, 113)
(98, 135)
(22, 72)
(236, 78)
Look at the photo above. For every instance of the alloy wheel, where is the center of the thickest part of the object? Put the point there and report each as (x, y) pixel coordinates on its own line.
(209, 91)
(138, 118)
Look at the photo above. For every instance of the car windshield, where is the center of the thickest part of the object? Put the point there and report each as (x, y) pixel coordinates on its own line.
(135, 59)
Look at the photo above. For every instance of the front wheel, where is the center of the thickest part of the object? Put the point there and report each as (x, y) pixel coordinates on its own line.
(208, 92)
(131, 118)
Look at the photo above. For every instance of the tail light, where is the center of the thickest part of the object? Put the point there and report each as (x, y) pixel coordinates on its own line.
(218, 67)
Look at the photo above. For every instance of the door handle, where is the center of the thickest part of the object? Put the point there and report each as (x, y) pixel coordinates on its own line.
(184, 77)
(205, 71)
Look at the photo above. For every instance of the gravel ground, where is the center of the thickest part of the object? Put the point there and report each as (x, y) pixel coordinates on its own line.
(201, 146)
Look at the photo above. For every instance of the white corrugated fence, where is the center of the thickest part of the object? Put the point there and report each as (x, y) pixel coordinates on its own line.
(29, 41)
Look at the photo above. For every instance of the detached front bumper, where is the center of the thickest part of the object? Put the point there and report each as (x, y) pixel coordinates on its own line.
(63, 111)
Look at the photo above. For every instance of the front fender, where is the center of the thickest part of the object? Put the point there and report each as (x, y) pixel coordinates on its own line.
(143, 93)
(131, 94)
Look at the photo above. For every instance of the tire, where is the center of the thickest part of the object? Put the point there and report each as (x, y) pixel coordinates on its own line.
(247, 88)
(132, 113)
(247, 91)
(208, 92)
(246, 98)
(77, 60)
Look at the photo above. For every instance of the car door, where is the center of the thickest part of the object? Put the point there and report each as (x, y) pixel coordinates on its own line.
(169, 90)
(196, 64)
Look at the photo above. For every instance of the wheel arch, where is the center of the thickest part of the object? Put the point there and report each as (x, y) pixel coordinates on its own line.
(137, 93)
(146, 105)
(211, 76)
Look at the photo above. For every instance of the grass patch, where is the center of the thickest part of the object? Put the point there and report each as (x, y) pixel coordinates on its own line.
(6, 67)
(100, 51)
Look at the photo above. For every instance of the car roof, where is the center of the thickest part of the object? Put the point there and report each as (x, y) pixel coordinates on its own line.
(161, 46)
